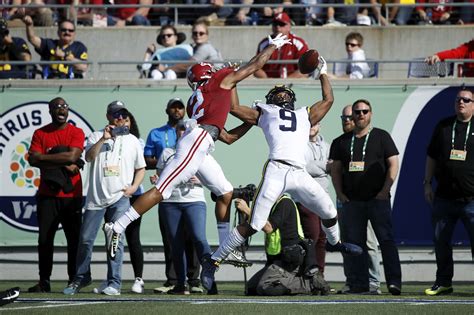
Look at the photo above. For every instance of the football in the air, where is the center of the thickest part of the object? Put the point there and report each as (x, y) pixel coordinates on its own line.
(309, 61)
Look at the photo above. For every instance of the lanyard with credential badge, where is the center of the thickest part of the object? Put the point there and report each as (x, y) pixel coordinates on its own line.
(358, 166)
(113, 170)
(459, 155)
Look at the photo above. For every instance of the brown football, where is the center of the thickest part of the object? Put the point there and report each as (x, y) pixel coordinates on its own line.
(309, 61)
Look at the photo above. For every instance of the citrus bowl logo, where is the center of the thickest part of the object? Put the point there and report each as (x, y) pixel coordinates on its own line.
(22, 174)
(19, 180)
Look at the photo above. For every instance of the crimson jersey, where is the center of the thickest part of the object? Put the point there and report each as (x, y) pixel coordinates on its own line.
(288, 52)
(210, 104)
(47, 137)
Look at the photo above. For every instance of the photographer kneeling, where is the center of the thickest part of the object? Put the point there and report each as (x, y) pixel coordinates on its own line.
(290, 267)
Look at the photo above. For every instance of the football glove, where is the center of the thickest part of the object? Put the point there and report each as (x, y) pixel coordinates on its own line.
(321, 69)
(279, 41)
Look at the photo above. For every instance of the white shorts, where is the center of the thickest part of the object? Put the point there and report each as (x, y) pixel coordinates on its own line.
(279, 178)
(193, 158)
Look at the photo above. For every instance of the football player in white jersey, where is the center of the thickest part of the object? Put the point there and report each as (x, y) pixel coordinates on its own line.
(286, 131)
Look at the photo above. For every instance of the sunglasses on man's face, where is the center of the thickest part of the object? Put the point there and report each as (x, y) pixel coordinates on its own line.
(346, 117)
(460, 99)
(120, 115)
(352, 45)
(168, 35)
(67, 30)
(199, 33)
(361, 111)
(280, 24)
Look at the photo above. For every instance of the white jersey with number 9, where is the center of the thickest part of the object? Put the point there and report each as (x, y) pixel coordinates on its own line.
(286, 132)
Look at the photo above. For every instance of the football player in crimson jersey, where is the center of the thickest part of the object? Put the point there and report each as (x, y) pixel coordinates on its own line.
(208, 108)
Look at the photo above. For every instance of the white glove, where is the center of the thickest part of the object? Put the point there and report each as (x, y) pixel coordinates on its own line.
(321, 69)
(279, 41)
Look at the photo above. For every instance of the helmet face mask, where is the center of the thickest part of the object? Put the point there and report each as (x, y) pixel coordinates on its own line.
(282, 96)
(198, 74)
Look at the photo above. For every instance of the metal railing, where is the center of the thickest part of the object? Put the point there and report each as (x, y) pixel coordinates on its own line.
(98, 69)
(175, 8)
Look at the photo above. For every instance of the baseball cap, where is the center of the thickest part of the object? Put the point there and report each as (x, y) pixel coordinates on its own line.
(282, 18)
(114, 107)
(173, 101)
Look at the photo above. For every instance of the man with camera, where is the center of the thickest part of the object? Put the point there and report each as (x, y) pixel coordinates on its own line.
(117, 168)
(12, 49)
(291, 267)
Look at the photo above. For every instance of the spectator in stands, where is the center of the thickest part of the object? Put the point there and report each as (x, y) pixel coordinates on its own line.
(12, 49)
(117, 168)
(341, 16)
(354, 69)
(264, 16)
(242, 16)
(450, 160)
(56, 150)
(291, 51)
(41, 15)
(401, 15)
(365, 165)
(464, 51)
(173, 49)
(65, 48)
(96, 17)
(318, 167)
(129, 16)
(202, 48)
(215, 15)
(439, 14)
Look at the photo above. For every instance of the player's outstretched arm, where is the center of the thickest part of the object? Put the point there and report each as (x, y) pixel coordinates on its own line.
(256, 63)
(246, 114)
(229, 137)
(319, 109)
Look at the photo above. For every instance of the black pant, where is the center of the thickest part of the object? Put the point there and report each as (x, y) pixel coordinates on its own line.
(192, 260)
(132, 233)
(52, 211)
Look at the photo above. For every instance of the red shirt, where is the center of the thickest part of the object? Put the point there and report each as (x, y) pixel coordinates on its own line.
(287, 52)
(465, 51)
(210, 104)
(48, 137)
(125, 13)
(438, 11)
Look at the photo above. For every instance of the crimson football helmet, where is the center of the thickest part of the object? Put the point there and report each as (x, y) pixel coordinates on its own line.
(199, 73)
(282, 96)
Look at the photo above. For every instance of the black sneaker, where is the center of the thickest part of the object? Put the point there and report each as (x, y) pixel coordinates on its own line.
(209, 268)
(41, 287)
(394, 289)
(179, 289)
(9, 296)
(344, 248)
(213, 290)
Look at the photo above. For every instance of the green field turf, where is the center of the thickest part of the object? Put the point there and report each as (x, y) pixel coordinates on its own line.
(231, 300)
